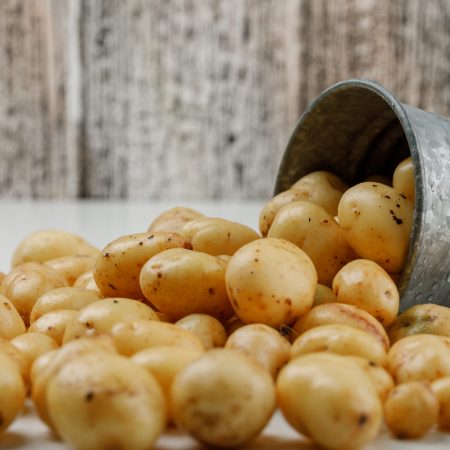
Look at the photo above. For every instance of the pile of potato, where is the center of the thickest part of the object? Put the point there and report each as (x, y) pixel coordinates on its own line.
(205, 324)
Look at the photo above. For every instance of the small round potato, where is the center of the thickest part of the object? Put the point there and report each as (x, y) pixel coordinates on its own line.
(223, 398)
(120, 262)
(132, 336)
(323, 294)
(27, 282)
(181, 282)
(377, 221)
(208, 329)
(174, 219)
(11, 323)
(18, 357)
(271, 281)
(421, 357)
(341, 339)
(53, 324)
(63, 298)
(12, 391)
(72, 266)
(263, 344)
(403, 179)
(339, 313)
(330, 399)
(44, 245)
(218, 236)
(410, 410)
(312, 229)
(365, 284)
(111, 403)
(100, 316)
(426, 319)
(441, 390)
(33, 344)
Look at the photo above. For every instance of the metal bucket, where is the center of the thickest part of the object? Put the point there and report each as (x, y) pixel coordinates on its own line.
(357, 128)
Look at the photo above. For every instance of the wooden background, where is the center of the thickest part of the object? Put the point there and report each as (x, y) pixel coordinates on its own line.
(191, 99)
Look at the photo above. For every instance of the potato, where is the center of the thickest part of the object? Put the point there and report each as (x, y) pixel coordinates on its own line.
(44, 369)
(223, 398)
(174, 219)
(44, 245)
(132, 336)
(403, 179)
(218, 236)
(263, 344)
(207, 329)
(72, 266)
(441, 390)
(12, 391)
(365, 284)
(312, 229)
(421, 357)
(33, 344)
(2, 277)
(323, 294)
(410, 410)
(63, 298)
(100, 316)
(53, 324)
(377, 221)
(11, 324)
(164, 363)
(338, 313)
(111, 403)
(271, 281)
(119, 265)
(330, 399)
(181, 282)
(421, 319)
(18, 357)
(233, 324)
(86, 279)
(341, 339)
(27, 282)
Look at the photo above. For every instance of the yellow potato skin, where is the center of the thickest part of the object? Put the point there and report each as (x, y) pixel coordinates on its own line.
(53, 324)
(18, 357)
(323, 294)
(11, 323)
(181, 282)
(312, 229)
(271, 281)
(207, 329)
(72, 266)
(377, 221)
(33, 344)
(217, 236)
(441, 389)
(403, 179)
(330, 399)
(174, 219)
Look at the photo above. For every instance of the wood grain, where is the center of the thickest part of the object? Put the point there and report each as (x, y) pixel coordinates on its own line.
(191, 99)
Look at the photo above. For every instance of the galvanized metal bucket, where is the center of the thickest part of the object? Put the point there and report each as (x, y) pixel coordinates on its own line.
(357, 128)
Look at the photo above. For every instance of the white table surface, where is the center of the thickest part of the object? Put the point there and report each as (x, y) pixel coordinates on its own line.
(100, 222)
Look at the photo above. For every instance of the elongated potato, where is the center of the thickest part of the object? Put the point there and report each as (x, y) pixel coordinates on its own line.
(11, 323)
(44, 245)
(223, 398)
(207, 329)
(33, 344)
(441, 389)
(174, 219)
(119, 265)
(403, 179)
(72, 266)
(218, 236)
(181, 282)
(410, 410)
(12, 391)
(100, 316)
(53, 324)
(263, 344)
(365, 284)
(312, 229)
(111, 403)
(27, 282)
(132, 336)
(339, 313)
(63, 298)
(271, 281)
(330, 399)
(377, 221)
(340, 339)
(421, 357)
(421, 319)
